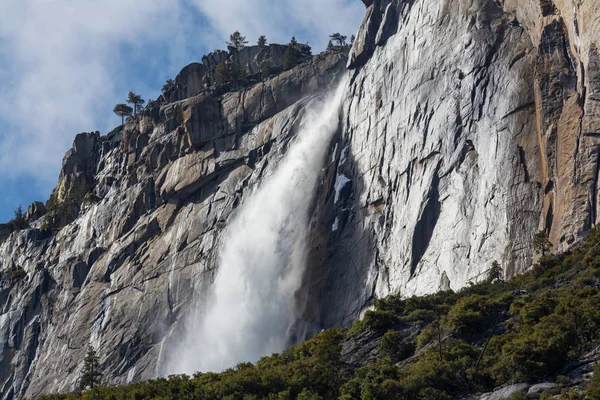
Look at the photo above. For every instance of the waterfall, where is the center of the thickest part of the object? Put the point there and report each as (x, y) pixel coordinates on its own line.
(251, 309)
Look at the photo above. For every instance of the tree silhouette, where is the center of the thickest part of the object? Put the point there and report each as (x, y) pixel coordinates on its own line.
(294, 42)
(123, 110)
(352, 39)
(91, 375)
(262, 42)
(18, 222)
(337, 37)
(330, 46)
(237, 41)
(137, 102)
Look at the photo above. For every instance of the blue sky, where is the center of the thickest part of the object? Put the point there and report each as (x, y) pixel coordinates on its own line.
(64, 64)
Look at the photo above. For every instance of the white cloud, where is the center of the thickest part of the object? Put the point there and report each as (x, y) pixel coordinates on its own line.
(64, 63)
(308, 20)
(61, 68)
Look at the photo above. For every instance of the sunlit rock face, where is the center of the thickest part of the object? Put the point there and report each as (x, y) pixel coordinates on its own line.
(470, 126)
(467, 126)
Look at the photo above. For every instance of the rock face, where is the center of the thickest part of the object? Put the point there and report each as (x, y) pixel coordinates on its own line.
(468, 127)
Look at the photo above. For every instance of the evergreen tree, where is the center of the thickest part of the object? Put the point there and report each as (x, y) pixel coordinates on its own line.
(262, 42)
(495, 273)
(290, 58)
(293, 42)
(18, 222)
(541, 243)
(123, 110)
(337, 37)
(91, 375)
(229, 72)
(352, 39)
(137, 102)
(168, 85)
(237, 41)
(330, 46)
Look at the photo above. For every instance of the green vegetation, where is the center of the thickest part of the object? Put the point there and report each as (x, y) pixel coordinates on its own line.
(169, 84)
(541, 243)
(123, 110)
(237, 42)
(262, 41)
(593, 391)
(137, 102)
(290, 57)
(18, 274)
(442, 346)
(229, 72)
(18, 222)
(91, 198)
(339, 38)
(91, 375)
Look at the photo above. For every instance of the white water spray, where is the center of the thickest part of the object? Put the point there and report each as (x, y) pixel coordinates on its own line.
(262, 260)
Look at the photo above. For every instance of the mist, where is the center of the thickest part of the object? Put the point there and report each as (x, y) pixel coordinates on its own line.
(251, 309)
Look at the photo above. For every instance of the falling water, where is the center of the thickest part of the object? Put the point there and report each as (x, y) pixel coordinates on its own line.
(251, 310)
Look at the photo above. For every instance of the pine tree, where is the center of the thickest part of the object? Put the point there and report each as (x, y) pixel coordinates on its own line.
(262, 42)
(541, 243)
(137, 102)
(294, 42)
(123, 110)
(237, 41)
(337, 37)
(495, 273)
(229, 72)
(290, 58)
(18, 222)
(352, 39)
(330, 46)
(91, 375)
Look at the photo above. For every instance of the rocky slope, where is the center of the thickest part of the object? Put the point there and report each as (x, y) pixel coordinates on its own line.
(469, 125)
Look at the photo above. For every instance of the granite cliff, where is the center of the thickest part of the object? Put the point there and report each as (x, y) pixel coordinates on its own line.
(468, 126)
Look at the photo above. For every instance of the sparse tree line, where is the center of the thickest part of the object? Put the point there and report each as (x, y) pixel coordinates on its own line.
(123, 110)
(232, 71)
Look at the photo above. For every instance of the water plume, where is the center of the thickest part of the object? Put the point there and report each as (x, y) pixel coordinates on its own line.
(251, 309)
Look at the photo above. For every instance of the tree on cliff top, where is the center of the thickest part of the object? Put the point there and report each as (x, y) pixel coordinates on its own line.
(168, 85)
(337, 37)
(123, 110)
(262, 41)
(91, 375)
(237, 41)
(137, 102)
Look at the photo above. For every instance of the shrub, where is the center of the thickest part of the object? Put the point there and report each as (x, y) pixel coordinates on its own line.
(593, 390)
(229, 72)
(290, 58)
(18, 274)
(91, 198)
(396, 346)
